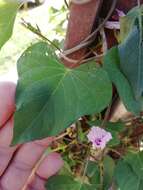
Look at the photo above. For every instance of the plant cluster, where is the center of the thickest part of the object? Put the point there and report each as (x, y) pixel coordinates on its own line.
(76, 106)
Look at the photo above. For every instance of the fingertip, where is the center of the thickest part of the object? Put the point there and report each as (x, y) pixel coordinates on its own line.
(50, 166)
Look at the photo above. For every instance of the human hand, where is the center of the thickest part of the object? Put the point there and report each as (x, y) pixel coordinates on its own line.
(20, 168)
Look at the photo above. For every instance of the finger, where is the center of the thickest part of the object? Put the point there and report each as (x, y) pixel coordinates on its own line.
(6, 133)
(7, 93)
(7, 101)
(49, 167)
(6, 152)
(37, 184)
(21, 167)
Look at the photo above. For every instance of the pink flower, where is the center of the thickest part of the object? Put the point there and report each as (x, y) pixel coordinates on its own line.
(115, 24)
(99, 137)
(112, 25)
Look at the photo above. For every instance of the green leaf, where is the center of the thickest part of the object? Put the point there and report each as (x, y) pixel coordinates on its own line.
(127, 22)
(50, 96)
(93, 173)
(63, 182)
(131, 50)
(112, 66)
(8, 10)
(65, 170)
(136, 161)
(110, 126)
(115, 128)
(131, 61)
(126, 179)
(109, 167)
(92, 178)
(129, 172)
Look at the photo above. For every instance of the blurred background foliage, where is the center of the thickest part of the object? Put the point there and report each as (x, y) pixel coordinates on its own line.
(50, 17)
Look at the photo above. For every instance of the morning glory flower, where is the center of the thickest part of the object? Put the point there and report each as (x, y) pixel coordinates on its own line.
(112, 25)
(99, 137)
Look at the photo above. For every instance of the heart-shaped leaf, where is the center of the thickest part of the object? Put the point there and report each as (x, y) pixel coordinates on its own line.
(128, 173)
(50, 96)
(8, 10)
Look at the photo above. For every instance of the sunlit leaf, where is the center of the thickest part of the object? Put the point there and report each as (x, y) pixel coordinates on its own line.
(50, 96)
(8, 10)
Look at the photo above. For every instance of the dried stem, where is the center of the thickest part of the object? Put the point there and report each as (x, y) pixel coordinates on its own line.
(88, 40)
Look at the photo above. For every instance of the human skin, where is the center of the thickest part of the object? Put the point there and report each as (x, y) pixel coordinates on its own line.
(17, 163)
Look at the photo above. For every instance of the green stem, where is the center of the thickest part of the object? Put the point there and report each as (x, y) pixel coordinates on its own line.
(38, 32)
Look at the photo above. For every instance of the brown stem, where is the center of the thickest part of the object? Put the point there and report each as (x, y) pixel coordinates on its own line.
(81, 20)
(137, 132)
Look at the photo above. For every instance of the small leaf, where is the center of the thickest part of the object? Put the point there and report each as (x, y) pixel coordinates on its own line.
(62, 182)
(112, 66)
(109, 167)
(8, 10)
(50, 97)
(93, 173)
(129, 174)
(66, 170)
(111, 126)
